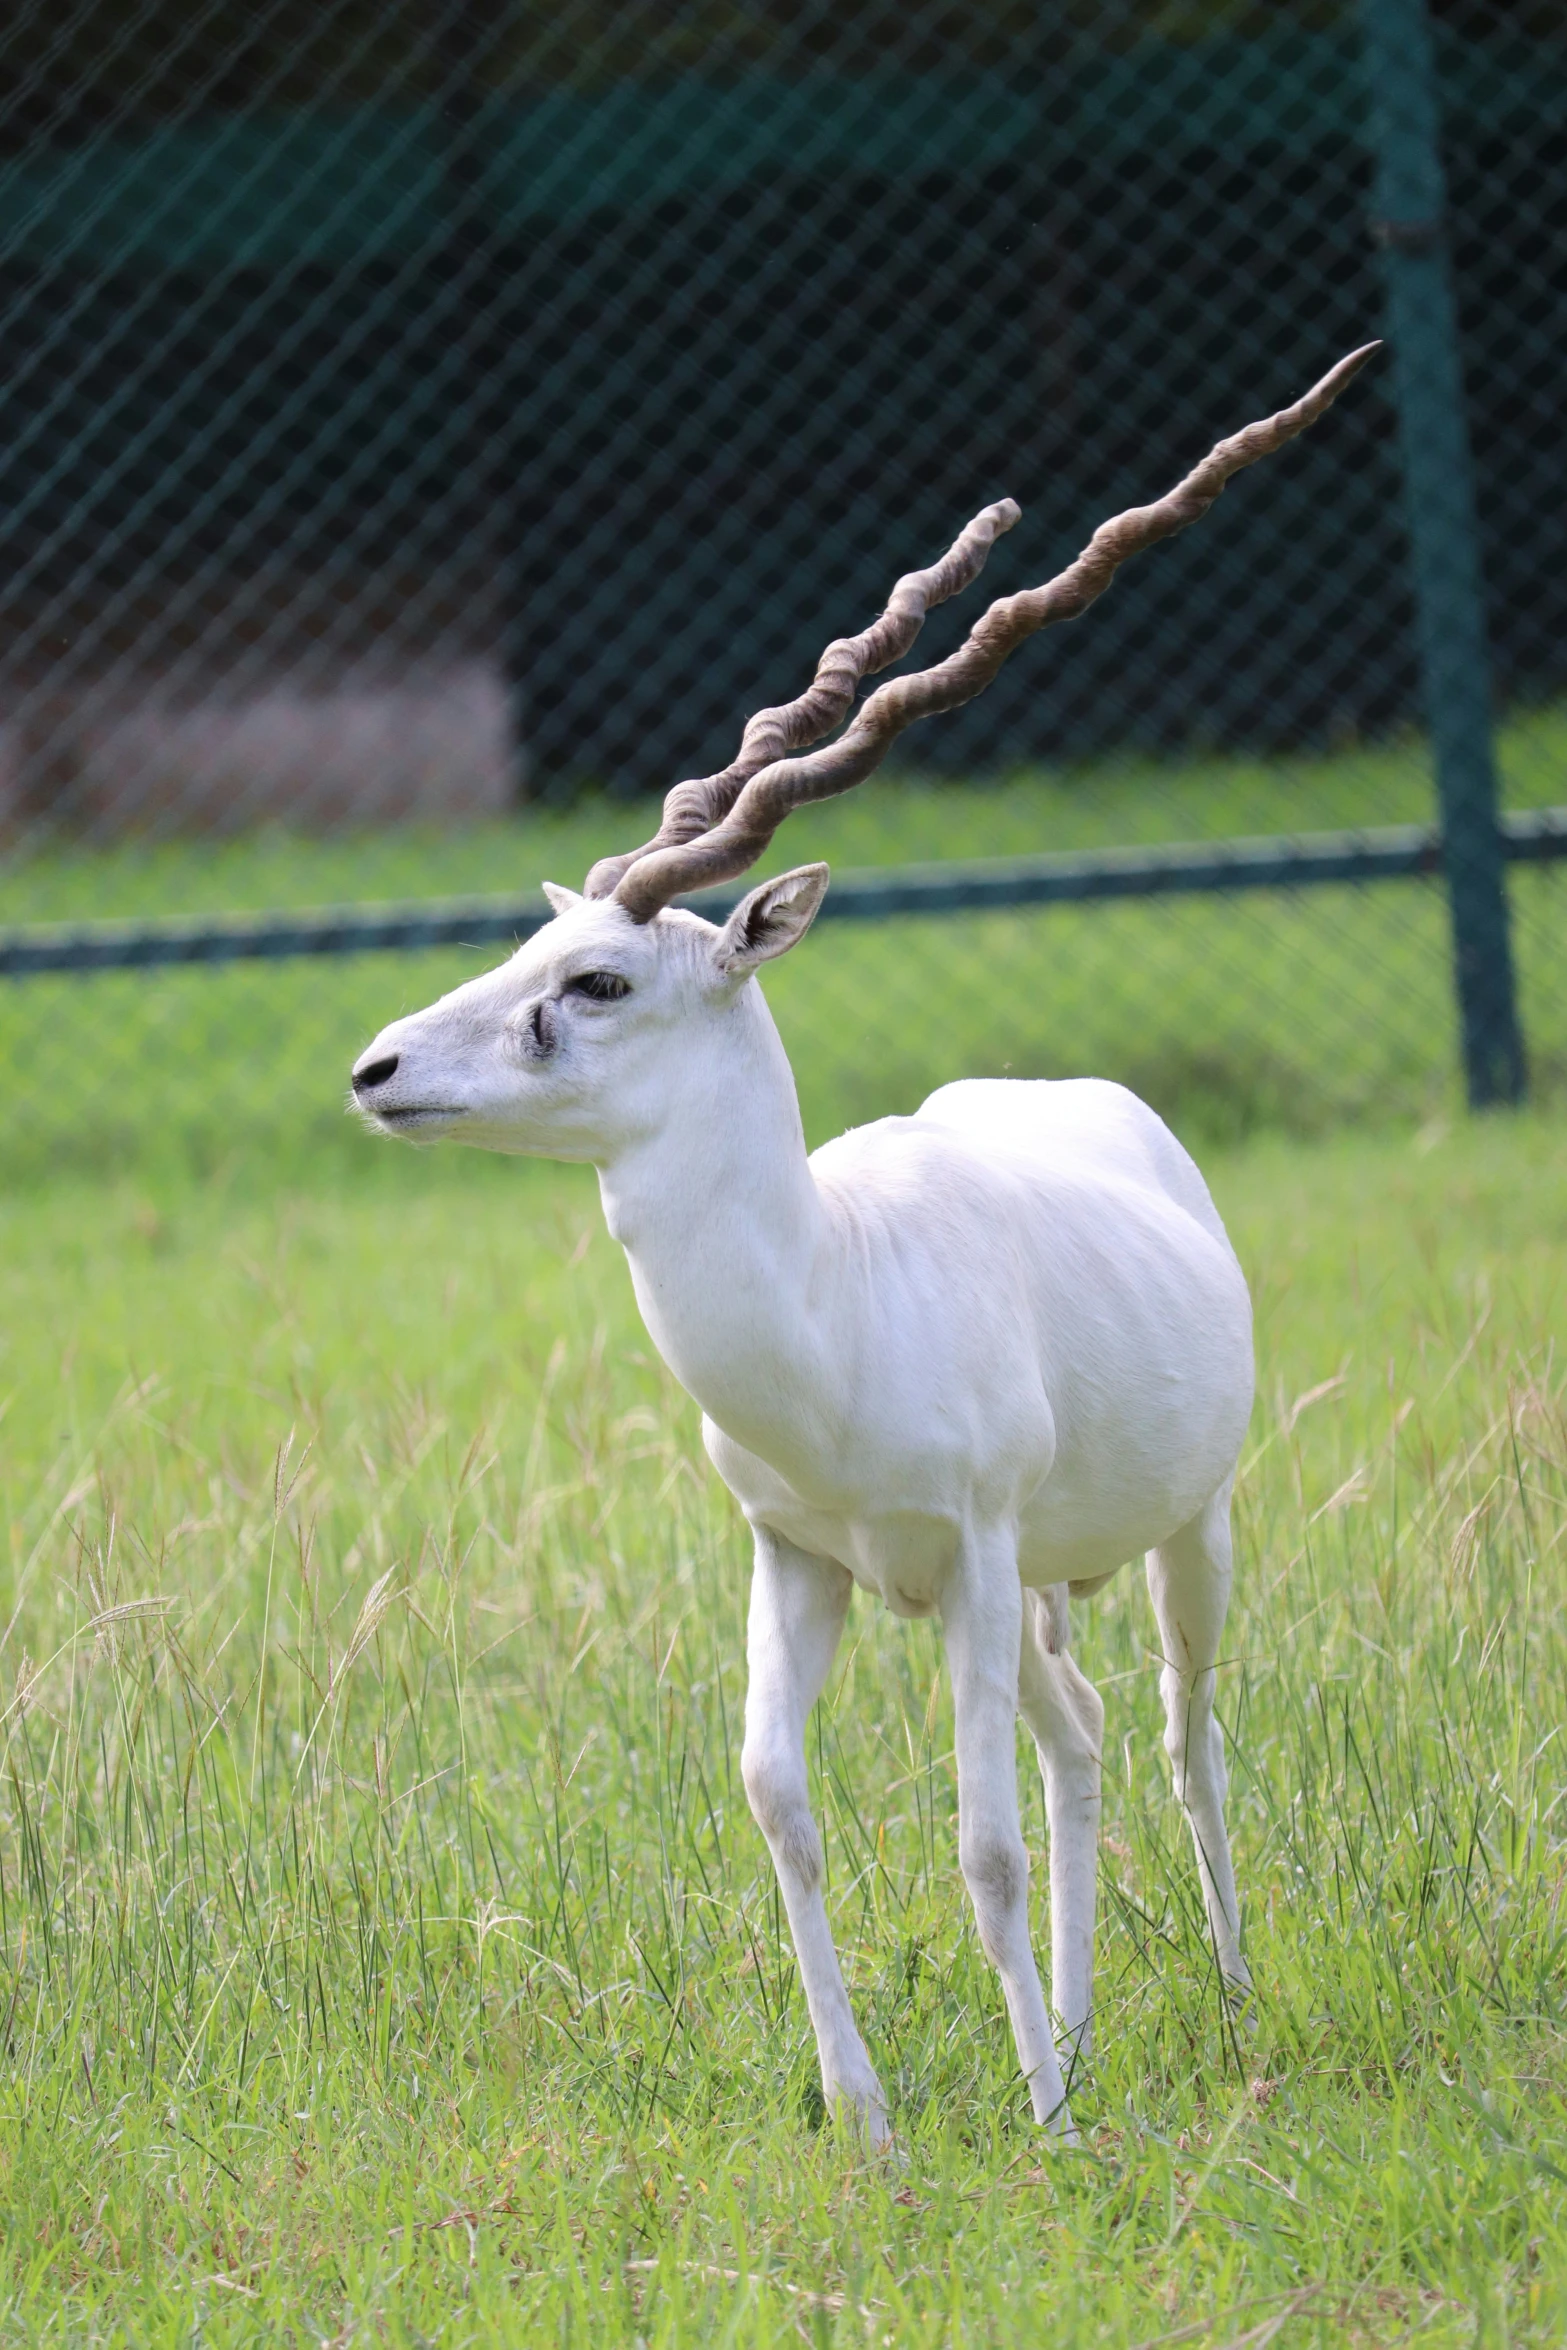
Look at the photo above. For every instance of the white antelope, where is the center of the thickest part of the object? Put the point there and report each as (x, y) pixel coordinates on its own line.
(972, 1360)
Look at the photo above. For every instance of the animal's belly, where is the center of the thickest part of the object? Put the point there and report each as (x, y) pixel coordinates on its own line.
(1065, 1534)
(1103, 1505)
(903, 1557)
(1086, 1556)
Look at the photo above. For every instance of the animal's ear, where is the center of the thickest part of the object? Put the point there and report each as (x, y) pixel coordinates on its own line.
(561, 899)
(770, 920)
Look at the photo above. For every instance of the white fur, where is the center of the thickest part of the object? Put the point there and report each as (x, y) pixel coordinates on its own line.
(970, 1360)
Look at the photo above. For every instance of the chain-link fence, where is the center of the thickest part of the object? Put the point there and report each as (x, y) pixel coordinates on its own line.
(426, 425)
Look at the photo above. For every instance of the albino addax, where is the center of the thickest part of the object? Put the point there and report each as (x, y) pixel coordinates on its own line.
(972, 1360)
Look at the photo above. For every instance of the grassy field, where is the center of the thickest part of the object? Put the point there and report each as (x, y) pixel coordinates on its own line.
(387, 1954)
(1289, 1012)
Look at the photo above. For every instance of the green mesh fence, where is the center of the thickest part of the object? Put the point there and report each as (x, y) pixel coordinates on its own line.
(425, 428)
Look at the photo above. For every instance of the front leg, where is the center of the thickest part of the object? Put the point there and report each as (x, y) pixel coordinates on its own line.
(798, 1605)
(982, 1609)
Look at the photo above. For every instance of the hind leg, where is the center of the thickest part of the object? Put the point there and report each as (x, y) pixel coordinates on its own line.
(1189, 1583)
(1064, 1712)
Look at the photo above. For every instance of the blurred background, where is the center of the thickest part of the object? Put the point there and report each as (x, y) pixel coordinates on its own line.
(427, 431)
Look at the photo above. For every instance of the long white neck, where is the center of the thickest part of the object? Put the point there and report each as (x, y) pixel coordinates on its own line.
(728, 1239)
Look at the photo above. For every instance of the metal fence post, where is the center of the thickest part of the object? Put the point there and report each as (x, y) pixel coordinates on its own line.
(1409, 225)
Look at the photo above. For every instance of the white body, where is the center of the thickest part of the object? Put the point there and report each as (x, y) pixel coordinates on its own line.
(1013, 1288)
(969, 1360)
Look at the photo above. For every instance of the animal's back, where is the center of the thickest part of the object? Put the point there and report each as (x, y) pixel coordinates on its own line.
(1081, 1120)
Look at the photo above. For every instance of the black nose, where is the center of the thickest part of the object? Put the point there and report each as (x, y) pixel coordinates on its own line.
(376, 1073)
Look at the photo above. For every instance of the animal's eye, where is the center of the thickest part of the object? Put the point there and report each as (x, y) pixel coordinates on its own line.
(600, 987)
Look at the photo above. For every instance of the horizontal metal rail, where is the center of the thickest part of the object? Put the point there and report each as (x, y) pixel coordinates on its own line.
(1385, 853)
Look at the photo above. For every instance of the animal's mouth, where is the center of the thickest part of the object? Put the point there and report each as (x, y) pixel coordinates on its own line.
(416, 1114)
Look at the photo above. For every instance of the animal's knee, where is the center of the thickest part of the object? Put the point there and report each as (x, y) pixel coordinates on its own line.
(775, 1789)
(995, 1870)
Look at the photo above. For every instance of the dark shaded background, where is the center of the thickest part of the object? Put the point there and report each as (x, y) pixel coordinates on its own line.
(635, 350)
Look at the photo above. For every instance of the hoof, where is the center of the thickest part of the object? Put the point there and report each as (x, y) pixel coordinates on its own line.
(1240, 2003)
(862, 2113)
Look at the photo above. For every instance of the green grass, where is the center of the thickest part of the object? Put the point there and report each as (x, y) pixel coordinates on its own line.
(386, 1952)
(1290, 1012)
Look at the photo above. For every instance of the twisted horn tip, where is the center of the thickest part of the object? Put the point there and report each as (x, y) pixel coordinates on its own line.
(1349, 366)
